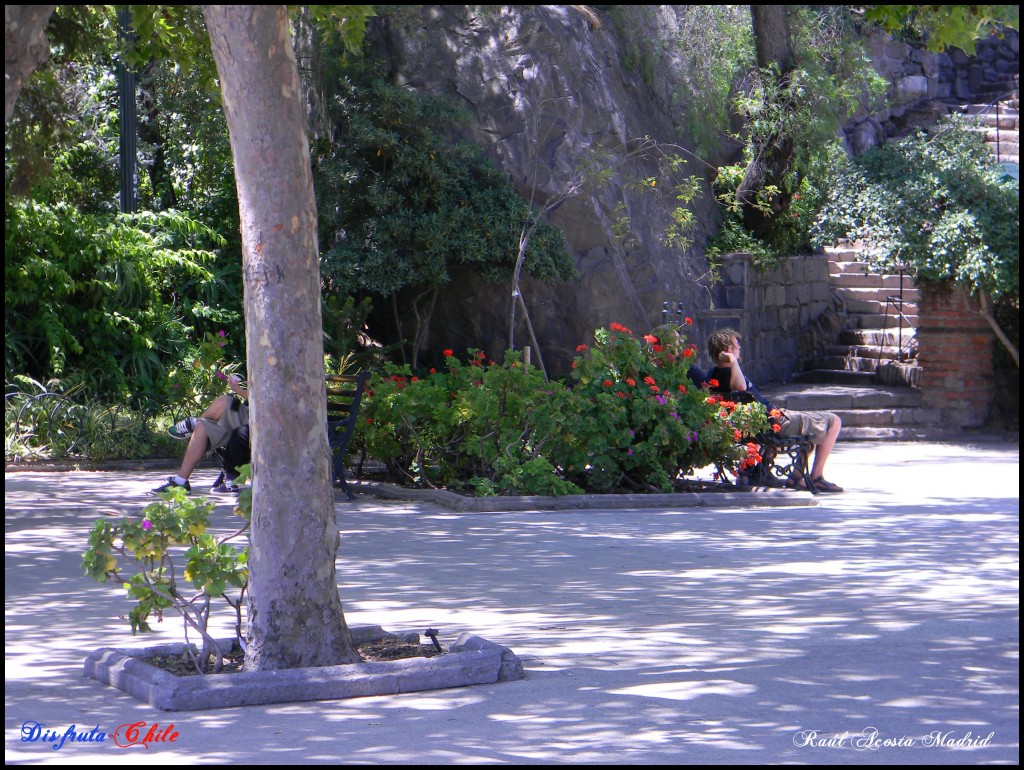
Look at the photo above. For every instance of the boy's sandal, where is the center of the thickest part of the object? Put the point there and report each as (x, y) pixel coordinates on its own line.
(820, 485)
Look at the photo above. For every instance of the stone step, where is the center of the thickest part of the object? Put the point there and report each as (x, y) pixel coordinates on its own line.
(842, 362)
(876, 293)
(835, 377)
(859, 280)
(872, 352)
(987, 116)
(887, 418)
(843, 253)
(836, 396)
(883, 321)
(1007, 137)
(903, 433)
(874, 338)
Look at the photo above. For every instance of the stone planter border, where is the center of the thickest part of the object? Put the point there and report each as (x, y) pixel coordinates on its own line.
(470, 660)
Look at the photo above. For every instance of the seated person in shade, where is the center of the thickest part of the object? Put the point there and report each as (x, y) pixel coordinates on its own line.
(224, 426)
(822, 427)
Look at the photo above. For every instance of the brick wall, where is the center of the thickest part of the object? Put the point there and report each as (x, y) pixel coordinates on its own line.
(955, 350)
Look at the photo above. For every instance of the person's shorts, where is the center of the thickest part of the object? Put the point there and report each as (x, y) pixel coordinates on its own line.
(814, 424)
(219, 431)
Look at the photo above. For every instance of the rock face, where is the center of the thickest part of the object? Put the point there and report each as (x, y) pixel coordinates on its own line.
(547, 88)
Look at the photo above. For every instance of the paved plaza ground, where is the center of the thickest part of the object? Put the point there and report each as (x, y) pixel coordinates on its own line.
(879, 626)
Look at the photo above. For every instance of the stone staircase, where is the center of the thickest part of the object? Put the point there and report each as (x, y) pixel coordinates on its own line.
(867, 375)
(997, 112)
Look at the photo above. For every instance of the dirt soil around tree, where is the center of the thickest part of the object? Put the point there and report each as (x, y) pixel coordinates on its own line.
(376, 651)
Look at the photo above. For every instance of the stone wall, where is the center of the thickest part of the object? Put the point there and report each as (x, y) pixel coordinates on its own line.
(923, 84)
(957, 376)
(772, 310)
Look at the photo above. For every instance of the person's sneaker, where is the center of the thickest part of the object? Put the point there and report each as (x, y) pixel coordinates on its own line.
(183, 428)
(225, 488)
(171, 484)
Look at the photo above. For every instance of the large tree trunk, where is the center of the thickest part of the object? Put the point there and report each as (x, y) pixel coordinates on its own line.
(295, 613)
(25, 48)
(773, 155)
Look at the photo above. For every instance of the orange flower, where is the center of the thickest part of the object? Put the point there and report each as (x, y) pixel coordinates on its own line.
(688, 321)
(631, 382)
(713, 383)
(617, 327)
(682, 388)
(580, 348)
(608, 383)
(650, 339)
(649, 380)
(777, 428)
(448, 353)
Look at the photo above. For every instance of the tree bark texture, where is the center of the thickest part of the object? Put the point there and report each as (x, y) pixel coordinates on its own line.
(771, 36)
(25, 48)
(773, 156)
(295, 612)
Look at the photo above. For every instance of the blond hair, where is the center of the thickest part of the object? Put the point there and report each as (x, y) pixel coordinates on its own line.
(721, 341)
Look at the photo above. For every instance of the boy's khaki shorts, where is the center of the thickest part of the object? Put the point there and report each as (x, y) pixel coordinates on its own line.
(814, 424)
(219, 431)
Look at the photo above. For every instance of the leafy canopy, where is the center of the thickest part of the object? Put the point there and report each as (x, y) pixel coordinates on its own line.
(937, 203)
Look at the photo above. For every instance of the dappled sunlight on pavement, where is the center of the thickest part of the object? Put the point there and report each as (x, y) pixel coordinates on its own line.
(660, 636)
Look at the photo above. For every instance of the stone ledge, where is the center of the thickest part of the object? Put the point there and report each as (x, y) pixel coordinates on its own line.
(470, 660)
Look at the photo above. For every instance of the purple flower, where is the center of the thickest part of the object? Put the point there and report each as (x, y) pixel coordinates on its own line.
(222, 333)
(221, 376)
(147, 524)
(674, 415)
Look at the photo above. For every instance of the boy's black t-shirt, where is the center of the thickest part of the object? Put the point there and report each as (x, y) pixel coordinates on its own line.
(724, 374)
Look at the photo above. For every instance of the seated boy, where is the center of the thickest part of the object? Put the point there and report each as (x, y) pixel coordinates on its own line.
(822, 427)
(220, 427)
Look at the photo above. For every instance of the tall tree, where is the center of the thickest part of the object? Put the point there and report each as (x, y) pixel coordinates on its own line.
(25, 48)
(772, 151)
(295, 613)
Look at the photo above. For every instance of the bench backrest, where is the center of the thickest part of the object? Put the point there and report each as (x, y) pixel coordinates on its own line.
(344, 393)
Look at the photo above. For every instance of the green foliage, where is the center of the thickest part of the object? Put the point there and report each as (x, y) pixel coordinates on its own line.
(44, 421)
(478, 424)
(630, 419)
(716, 46)
(945, 26)
(802, 109)
(101, 296)
(937, 203)
(150, 544)
(401, 205)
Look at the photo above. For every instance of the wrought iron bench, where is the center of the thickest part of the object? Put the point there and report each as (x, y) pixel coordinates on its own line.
(344, 393)
(784, 459)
